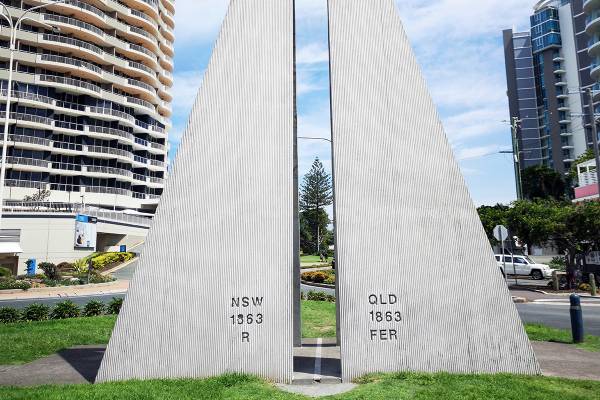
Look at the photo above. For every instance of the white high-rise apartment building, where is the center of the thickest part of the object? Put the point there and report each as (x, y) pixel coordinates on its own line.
(91, 103)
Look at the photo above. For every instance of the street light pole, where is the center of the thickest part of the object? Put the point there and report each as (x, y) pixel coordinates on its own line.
(14, 27)
(594, 137)
(517, 156)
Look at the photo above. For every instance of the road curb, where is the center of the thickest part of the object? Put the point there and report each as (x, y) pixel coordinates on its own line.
(318, 285)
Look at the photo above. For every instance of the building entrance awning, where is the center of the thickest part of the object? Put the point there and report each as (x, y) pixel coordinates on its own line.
(10, 248)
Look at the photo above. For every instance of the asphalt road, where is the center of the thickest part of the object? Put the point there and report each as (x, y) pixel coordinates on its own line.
(557, 315)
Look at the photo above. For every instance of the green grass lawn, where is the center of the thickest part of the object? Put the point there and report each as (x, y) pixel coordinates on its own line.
(27, 341)
(542, 333)
(402, 386)
(318, 319)
(313, 259)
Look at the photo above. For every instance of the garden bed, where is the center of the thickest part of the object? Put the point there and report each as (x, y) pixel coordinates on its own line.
(67, 274)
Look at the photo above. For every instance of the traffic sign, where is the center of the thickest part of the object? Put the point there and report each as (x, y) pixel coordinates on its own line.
(501, 233)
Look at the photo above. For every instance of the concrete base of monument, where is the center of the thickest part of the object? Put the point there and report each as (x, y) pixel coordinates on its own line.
(317, 369)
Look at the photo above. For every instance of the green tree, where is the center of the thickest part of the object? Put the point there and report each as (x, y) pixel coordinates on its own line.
(492, 216)
(316, 193)
(530, 222)
(541, 182)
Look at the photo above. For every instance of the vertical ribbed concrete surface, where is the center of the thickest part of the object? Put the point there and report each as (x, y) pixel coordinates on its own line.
(212, 293)
(419, 289)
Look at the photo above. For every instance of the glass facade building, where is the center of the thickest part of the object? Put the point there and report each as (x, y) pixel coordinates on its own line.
(547, 69)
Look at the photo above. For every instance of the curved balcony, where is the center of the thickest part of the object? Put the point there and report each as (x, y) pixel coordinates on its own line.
(28, 164)
(107, 190)
(81, 10)
(137, 103)
(164, 93)
(590, 5)
(61, 81)
(592, 23)
(108, 171)
(594, 46)
(30, 119)
(28, 142)
(110, 152)
(116, 133)
(167, 32)
(17, 183)
(166, 77)
(166, 62)
(165, 108)
(73, 44)
(169, 5)
(82, 29)
(595, 71)
(167, 16)
(148, 22)
(147, 6)
(110, 114)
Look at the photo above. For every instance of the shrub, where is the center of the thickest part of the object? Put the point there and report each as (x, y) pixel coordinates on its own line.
(5, 272)
(50, 270)
(81, 266)
(103, 260)
(65, 309)
(9, 315)
(316, 296)
(558, 263)
(93, 309)
(65, 267)
(35, 312)
(99, 278)
(585, 287)
(114, 306)
(7, 284)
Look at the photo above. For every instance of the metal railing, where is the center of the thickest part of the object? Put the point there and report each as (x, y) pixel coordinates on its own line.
(16, 207)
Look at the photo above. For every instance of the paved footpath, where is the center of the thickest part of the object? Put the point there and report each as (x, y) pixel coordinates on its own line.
(66, 291)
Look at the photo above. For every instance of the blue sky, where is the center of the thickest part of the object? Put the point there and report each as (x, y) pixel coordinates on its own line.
(458, 44)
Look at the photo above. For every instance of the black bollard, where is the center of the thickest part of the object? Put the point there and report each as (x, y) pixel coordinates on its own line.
(576, 319)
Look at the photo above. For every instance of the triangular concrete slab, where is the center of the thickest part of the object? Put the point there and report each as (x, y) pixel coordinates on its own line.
(419, 289)
(212, 293)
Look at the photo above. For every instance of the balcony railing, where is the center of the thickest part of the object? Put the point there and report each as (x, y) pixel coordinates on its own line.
(109, 171)
(71, 61)
(110, 150)
(71, 82)
(34, 162)
(73, 42)
(26, 184)
(27, 117)
(111, 112)
(29, 140)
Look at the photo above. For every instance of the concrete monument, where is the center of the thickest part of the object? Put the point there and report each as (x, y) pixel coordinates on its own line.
(419, 289)
(212, 293)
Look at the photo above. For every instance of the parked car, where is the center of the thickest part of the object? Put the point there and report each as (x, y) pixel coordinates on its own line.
(523, 266)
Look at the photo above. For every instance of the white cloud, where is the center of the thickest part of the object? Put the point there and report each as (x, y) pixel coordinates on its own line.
(185, 89)
(312, 53)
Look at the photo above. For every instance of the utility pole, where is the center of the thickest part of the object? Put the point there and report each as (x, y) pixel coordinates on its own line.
(594, 136)
(517, 156)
